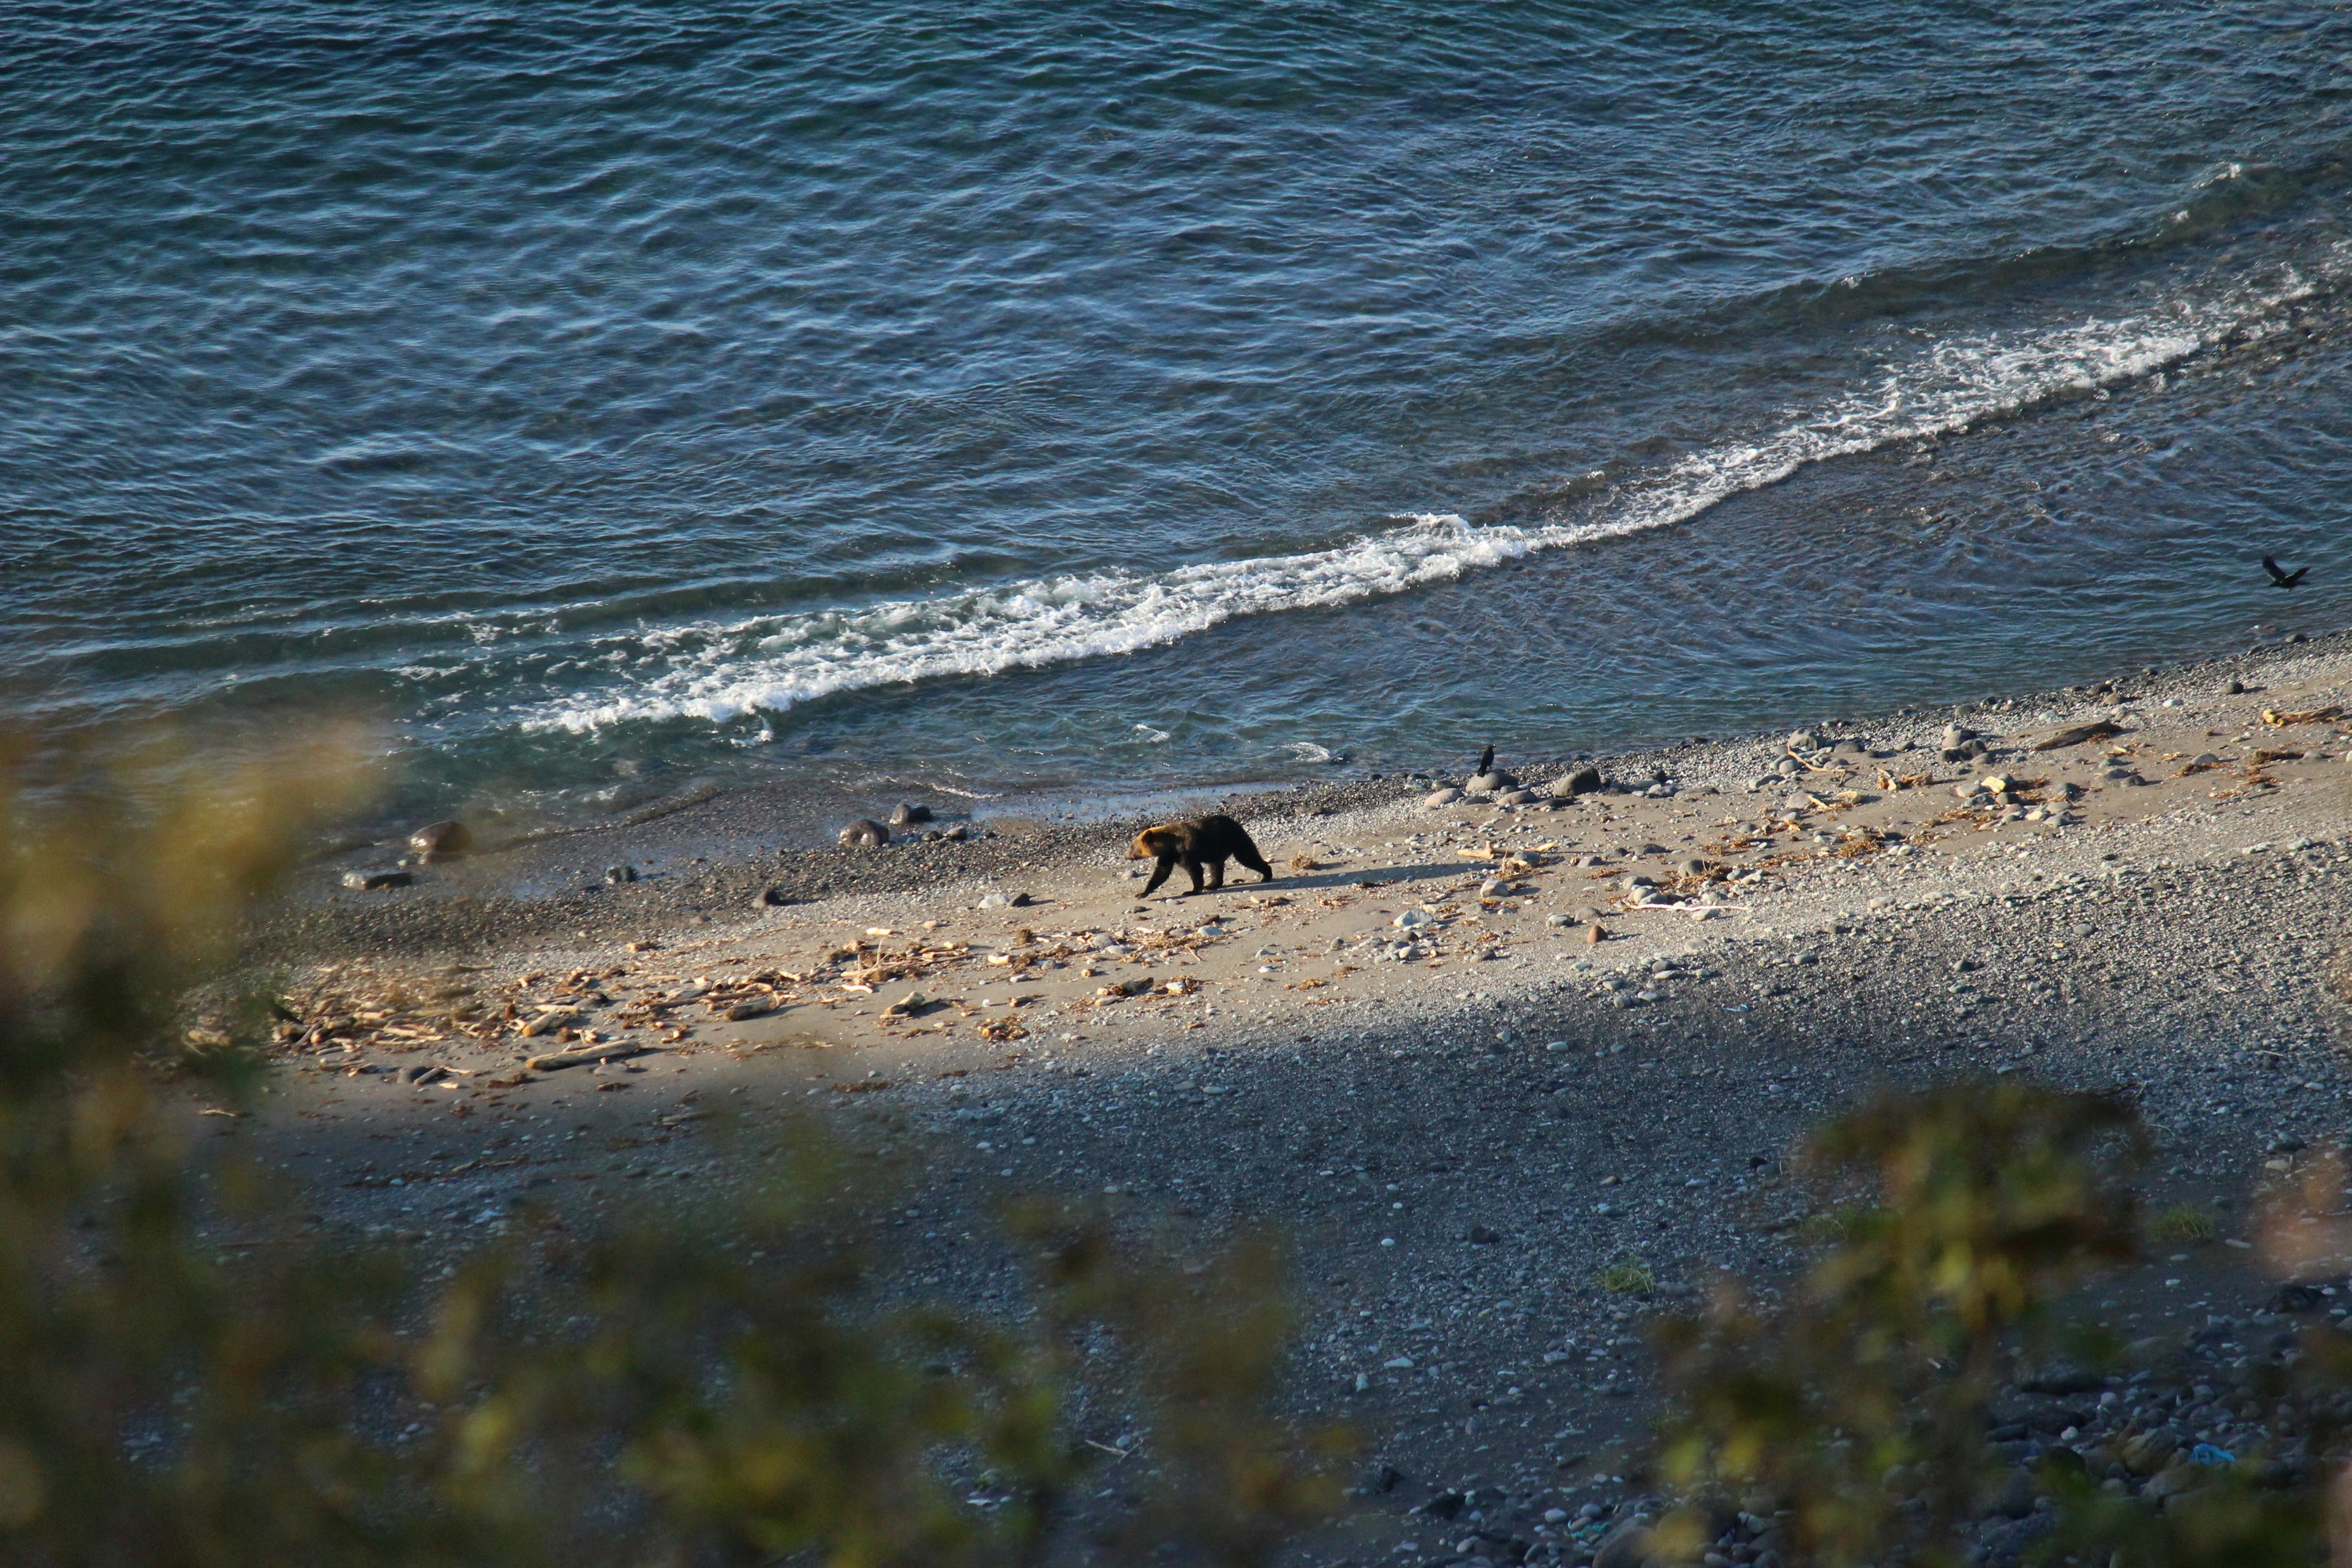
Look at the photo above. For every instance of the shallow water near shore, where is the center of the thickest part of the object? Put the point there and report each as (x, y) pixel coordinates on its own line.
(1074, 401)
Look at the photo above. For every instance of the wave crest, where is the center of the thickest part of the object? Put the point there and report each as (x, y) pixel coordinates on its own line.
(724, 671)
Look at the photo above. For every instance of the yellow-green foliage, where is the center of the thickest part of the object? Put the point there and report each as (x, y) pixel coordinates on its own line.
(1980, 1203)
(2184, 1223)
(1860, 1403)
(1628, 1277)
(642, 1395)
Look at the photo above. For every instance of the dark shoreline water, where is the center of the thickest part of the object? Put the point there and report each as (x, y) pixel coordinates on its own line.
(1075, 402)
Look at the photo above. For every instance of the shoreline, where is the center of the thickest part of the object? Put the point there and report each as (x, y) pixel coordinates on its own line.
(1458, 1143)
(704, 854)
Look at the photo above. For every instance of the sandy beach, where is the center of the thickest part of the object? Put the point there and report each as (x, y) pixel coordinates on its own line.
(1464, 1057)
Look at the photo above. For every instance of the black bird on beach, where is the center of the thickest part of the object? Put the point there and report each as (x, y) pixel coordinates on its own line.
(1487, 760)
(2280, 576)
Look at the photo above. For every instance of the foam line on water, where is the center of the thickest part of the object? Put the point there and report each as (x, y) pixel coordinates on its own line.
(720, 672)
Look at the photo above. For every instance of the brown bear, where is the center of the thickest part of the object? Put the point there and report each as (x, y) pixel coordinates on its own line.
(1208, 841)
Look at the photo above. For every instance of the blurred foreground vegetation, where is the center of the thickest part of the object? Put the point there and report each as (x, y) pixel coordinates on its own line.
(1856, 1409)
(644, 1396)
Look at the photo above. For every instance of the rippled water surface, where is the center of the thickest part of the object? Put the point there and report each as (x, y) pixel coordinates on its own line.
(608, 397)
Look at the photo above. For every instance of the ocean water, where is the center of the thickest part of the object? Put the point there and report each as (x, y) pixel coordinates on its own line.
(605, 398)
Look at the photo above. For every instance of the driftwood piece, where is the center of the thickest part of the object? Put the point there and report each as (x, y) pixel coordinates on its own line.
(2098, 730)
(584, 1056)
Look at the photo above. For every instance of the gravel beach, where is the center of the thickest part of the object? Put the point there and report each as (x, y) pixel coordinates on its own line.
(1466, 1058)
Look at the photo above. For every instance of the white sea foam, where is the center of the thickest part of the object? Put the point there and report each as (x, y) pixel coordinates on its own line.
(721, 671)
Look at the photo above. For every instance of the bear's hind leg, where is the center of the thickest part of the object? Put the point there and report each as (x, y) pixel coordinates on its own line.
(1256, 862)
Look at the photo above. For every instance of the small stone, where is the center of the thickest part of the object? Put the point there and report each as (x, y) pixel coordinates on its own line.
(2151, 1451)
(769, 897)
(1594, 936)
(1691, 868)
(1804, 741)
(1447, 797)
(1583, 781)
(2235, 688)
(436, 840)
(1627, 1546)
(957, 834)
(616, 875)
(2015, 1499)
(865, 834)
(1558, 920)
(908, 815)
(1789, 767)
(1517, 798)
(1482, 1237)
(1494, 783)
(369, 881)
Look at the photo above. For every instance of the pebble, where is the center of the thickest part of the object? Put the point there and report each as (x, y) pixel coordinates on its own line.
(435, 839)
(769, 897)
(1494, 783)
(908, 815)
(369, 880)
(865, 834)
(616, 875)
(1583, 781)
(1692, 868)
(1447, 797)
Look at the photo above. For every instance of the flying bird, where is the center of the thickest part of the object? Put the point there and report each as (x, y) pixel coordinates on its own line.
(1487, 758)
(2280, 576)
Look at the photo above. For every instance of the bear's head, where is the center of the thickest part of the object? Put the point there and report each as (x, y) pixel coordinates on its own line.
(1152, 844)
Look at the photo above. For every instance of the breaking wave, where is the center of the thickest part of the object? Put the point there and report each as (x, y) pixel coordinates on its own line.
(722, 671)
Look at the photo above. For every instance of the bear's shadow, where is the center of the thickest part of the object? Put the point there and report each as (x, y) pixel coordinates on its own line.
(1310, 881)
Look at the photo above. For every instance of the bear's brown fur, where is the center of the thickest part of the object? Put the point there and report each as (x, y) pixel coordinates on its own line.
(1207, 841)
